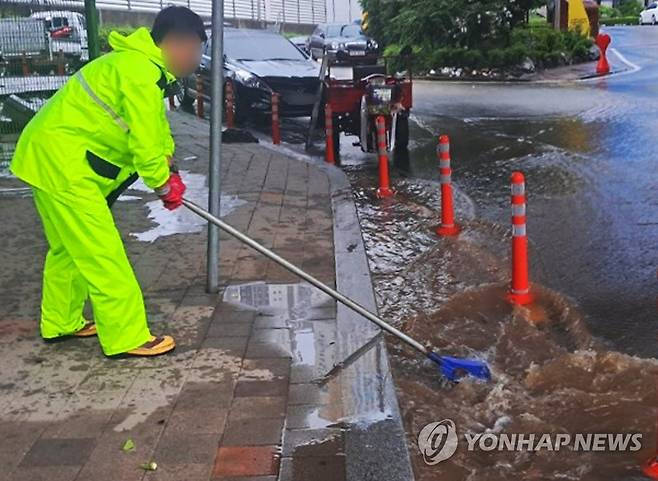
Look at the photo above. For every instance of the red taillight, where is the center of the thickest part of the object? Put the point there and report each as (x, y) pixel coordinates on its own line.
(63, 32)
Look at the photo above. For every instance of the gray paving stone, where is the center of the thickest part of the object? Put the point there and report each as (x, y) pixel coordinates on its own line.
(257, 407)
(44, 473)
(253, 432)
(276, 387)
(176, 447)
(59, 452)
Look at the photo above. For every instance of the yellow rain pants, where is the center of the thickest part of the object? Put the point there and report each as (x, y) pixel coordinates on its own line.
(86, 258)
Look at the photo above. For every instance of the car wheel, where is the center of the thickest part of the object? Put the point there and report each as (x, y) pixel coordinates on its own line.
(402, 131)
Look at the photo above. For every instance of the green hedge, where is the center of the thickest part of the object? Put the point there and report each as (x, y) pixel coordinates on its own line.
(544, 46)
(620, 21)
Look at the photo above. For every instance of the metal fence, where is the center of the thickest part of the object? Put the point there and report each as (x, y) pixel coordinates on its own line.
(43, 42)
(294, 11)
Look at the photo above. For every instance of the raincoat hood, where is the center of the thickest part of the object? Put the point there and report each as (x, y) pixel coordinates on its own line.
(140, 41)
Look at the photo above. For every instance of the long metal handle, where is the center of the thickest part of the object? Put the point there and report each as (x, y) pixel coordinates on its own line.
(304, 275)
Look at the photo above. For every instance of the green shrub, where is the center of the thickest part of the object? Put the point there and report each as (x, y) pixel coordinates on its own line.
(630, 8)
(620, 21)
(105, 30)
(473, 58)
(496, 57)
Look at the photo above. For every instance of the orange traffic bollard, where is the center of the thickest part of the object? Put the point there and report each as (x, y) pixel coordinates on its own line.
(276, 131)
(199, 97)
(448, 226)
(602, 41)
(384, 189)
(329, 154)
(651, 468)
(519, 292)
(230, 105)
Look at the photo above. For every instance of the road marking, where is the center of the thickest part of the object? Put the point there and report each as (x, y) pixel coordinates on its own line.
(634, 68)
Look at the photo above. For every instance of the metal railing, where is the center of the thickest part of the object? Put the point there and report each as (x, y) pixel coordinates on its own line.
(293, 11)
(43, 42)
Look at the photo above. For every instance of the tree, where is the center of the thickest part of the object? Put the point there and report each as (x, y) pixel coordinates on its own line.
(446, 23)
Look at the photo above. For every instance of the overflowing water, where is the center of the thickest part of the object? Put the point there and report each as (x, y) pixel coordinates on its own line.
(582, 357)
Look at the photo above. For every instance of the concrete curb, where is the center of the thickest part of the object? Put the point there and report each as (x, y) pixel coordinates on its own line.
(374, 448)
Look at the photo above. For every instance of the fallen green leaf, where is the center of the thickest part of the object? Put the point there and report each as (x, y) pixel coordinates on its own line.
(152, 466)
(128, 446)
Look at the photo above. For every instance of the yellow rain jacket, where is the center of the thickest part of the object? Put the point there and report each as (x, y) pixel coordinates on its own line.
(105, 127)
(110, 117)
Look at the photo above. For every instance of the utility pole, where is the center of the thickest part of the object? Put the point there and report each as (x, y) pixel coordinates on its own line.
(91, 17)
(217, 103)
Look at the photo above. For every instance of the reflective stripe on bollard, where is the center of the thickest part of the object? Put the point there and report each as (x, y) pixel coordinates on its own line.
(519, 292)
(447, 226)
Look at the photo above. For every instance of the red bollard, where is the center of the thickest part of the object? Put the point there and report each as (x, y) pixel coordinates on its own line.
(199, 97)
(384, 189)
(276, 132)
(329, 154)
(602, 41)
(651, 468)
(448, 226)
(230, 105)
(519, 292)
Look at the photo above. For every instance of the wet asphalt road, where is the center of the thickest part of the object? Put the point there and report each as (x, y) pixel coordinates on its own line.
(590, 154)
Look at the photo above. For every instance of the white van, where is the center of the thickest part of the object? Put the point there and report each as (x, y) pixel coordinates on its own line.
(68, 32)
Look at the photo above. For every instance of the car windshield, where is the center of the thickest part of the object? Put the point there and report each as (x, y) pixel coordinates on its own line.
(351, 31)
(334, 30)
(244, 46)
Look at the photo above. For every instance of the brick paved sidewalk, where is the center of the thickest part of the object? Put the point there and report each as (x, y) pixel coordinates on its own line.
(243, 395)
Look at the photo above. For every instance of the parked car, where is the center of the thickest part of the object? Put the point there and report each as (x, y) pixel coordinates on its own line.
(346, 42)
(258, 63)
(649, 15)
(68, 32)
(301, 43)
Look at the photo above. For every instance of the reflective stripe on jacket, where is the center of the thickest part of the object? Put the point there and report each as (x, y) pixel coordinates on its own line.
(112, 110)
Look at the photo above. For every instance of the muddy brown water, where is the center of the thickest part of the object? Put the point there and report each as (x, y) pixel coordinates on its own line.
(550, 374)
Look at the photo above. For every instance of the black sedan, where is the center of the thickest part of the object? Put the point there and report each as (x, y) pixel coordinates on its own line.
(260, 62)
(345, 42)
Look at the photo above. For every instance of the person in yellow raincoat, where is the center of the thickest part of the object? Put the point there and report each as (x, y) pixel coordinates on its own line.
(94, 137)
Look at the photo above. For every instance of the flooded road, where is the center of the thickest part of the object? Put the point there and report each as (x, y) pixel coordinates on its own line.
(582, 358)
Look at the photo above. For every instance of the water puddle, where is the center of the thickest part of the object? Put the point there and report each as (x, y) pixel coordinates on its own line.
(329, 357)
(179, 221)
